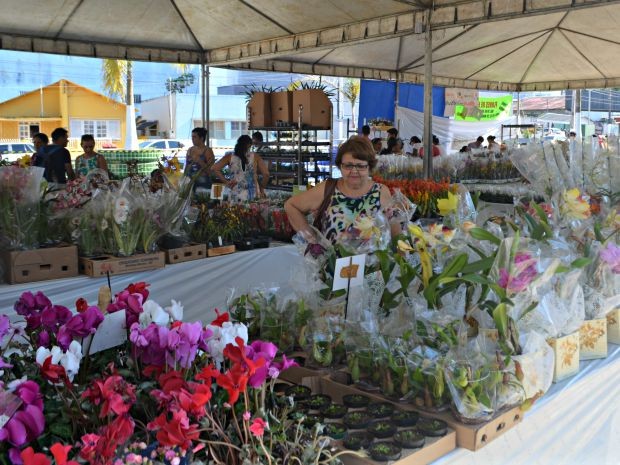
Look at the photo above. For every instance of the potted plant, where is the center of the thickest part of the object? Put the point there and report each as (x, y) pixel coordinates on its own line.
(384, 451)
(357, 440)
(380, 409)
(333, 411)
(298, 392)
(409, 439)
(318, 401)
(382, 429)
(405, 418)
(355, 400)
(335, 430)
(357, 420)
(432, 427)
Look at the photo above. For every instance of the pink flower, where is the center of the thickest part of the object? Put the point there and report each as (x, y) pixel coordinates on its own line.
(247, 415)
(523, 274)
(79, 325)
(258, 427)
(611, 255)
(28, 422)
(277, 367)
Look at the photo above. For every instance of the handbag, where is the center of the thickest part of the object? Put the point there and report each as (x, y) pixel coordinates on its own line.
(330, 188)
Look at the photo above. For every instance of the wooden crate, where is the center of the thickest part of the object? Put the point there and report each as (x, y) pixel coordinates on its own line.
(223, 250)
(186, 253)
(102, 265)
(25, 266)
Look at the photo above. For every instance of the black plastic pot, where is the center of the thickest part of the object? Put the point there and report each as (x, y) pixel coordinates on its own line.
(262, 242)
(384, 451)
(298, 392)
(333, 411)
(405, 418)
(432, 427)
(380, 409)
(312, 419)
(357, 420)
(409, 439)
(335, 430)
(356, 441)
(318, 401)
(355, 400)
(169, 241)
(382, 429)
(247, 243)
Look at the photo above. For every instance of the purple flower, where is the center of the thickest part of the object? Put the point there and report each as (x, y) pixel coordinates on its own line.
(315, 250)
(131, 303)
(5, 325)
(278, 367)
(28, 422)
(29, 303)
(54, 316)
(189, 340)
(80, 325)
(150, 343)
(255, 351)
(524, 273)
(43, 339)
(611, 255)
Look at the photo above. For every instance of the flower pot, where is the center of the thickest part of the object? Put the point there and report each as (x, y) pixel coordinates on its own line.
(566, 350)
(355, 400)
(384, 451)
(593, 339)
(335, 430)
(380, 409)
(312, 420)
(334, 411)
(382, 429)
(613, 326)
(356, 441)
(409, 439)
(318, 401)
(405, 418)
(298, 392)
(357, 420)
(431, 427)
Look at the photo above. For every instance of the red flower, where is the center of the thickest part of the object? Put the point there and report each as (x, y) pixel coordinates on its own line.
(234, 381)
(81, 305)
(258, 427)
(207, 373)
(117, 395)
(237, 354)
(31, 458)
(221, 319)
(54, 373)
(194, 402)
(172, 381)
(89, 446)
(139, 288)
(61, 454)
(176, 431)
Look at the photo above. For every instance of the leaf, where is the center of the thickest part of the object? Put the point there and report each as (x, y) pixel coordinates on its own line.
(481, 265)
(484, 235)
(581, 262)
(455, 266)
(500, 317)
(61, 429)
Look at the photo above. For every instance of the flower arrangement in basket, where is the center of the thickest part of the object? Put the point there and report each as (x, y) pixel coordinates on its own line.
(175, 392)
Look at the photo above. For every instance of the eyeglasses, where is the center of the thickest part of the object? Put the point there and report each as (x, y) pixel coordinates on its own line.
(356, 166)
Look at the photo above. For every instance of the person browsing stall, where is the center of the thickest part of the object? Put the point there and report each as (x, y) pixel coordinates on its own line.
(199, 159)
(346, 199)
(57, 159)
(377, 145)
(39, 140)
(394, 146)
(476, 145)
(90, 159)
(245, 166)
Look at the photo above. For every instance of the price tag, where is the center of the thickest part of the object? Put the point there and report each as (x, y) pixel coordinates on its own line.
(349, 269)
(111, 332)
(9, 403)
(219, 240)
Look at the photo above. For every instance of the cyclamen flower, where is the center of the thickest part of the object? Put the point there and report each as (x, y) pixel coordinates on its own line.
(611, 255)
(258, 427)
(153, 313)
(115, 395)
(222, 336)
(69, 361)
(80, 325)
(525, 272)
(176, 431)
(278, 367)
(130, 300)
(256, 351)
(28, 422)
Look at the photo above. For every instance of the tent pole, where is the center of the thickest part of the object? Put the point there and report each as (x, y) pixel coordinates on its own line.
(396, 98)
(207, 107)
(202, 94)
(428, 99)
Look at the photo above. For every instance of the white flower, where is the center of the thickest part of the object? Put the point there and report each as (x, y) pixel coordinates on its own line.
(16, 383)
(70, 360)
(222, 336)
(153, 313)
(121, 210)
(175, 310)
(43, 353)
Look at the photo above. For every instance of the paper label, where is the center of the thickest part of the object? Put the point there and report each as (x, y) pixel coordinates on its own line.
(217, 191)
(111, 332)
(349, 268)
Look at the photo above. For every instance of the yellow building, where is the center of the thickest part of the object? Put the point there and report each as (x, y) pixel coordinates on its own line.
(68, 105)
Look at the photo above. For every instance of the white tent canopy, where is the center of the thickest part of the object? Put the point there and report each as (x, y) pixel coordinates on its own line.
(484, 44)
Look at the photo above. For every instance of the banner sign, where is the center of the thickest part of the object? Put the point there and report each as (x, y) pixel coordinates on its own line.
(488, 109)
(467, 98)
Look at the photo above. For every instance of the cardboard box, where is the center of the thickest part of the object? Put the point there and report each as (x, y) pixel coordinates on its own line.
(282, 108)
(223, 250)
(613, 326)
(317, 108)
(468, 436)
(433, 449)
(566, 351)
(100, 266)
(259, 110)
(297, 375)
(593, 339)
(25, 266)
(186, 253)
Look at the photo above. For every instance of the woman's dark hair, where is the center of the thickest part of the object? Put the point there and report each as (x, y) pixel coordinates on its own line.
(435, 140)
(42, 137)
(258, 136)
(393, 142)
(87, 138)
(241, 149)
(58, 133)
(360, 149)
(415, 140)
(200, 132)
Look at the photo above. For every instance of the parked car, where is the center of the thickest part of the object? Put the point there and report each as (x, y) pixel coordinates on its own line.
(14, 150)
(169, 146)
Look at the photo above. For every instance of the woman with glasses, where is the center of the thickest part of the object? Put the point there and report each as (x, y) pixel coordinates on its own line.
(90, 159)
(353, 196)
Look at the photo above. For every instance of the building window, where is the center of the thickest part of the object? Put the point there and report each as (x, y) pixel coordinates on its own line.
(88, 127)
(27, 129)
(238, 128)
(103, 128)
(217, 130)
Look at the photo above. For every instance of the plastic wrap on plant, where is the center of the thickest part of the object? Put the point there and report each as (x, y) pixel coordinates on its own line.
(400, 210)
(426, 370)
(325, 339)
(535, 365)
(366, 234)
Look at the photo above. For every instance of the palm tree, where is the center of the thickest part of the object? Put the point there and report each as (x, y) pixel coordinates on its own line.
(118, 79)
(351, 91)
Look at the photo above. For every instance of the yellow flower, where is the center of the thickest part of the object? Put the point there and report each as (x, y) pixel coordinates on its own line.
(404, 246)
(416, 231)
(468, 225)
(24, 161)
(574, 205)
(447, 206)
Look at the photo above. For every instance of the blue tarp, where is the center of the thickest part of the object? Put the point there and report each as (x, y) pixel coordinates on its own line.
(377, 99)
